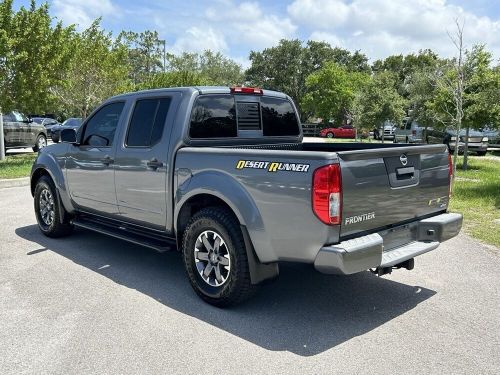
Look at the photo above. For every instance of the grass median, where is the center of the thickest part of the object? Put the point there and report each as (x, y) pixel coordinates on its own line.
(476, 195)
(15, 166)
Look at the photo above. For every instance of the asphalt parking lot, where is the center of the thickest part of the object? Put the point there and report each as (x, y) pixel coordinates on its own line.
(91, 304)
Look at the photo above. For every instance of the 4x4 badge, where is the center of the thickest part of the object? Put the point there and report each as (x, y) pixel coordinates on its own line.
(403, 159)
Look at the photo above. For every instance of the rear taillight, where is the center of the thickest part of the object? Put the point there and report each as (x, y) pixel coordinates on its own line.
(246, 90)
(327, 194)
(450, 173)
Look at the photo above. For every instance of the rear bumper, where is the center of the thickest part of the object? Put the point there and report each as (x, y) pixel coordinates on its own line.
(471, 146)
(375, 250)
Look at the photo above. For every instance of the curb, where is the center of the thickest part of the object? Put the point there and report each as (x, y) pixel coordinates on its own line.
(14, 182)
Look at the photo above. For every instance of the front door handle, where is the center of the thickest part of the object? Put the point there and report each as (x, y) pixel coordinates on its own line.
(107, 160)
(154, 164)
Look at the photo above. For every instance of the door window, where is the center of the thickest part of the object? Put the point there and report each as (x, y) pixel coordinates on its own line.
(147, 123)
(100, 129)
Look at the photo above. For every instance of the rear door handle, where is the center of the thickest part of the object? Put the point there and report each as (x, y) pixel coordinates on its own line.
(154, 164)
(107, 160)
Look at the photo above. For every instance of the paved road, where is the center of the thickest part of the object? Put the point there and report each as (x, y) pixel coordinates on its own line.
(90, 304)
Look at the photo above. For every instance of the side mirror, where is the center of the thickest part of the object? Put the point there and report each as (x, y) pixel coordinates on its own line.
(68, 136)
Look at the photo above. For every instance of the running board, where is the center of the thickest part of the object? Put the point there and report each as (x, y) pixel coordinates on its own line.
(123, 232)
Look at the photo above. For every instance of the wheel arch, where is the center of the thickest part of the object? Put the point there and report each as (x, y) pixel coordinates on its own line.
(46, 165)
(215, 187)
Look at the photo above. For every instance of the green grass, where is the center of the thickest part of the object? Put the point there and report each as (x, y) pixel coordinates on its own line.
(15, 166)
(476, 195)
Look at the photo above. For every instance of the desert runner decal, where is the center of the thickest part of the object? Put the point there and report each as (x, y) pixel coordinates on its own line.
(272, 166)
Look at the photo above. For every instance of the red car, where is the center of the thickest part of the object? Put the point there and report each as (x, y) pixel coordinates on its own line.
(346, 131)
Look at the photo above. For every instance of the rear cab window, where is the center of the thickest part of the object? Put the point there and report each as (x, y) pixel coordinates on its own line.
(245, 116)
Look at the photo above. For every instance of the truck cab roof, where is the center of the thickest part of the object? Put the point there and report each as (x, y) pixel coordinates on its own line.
(192, 89)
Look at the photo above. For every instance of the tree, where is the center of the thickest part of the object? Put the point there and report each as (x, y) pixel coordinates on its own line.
(144, 54)
(286, 66)
(97, 70)
(32, 53)
(215, 68)
(174, 79)
(378, 101)
(331, 91)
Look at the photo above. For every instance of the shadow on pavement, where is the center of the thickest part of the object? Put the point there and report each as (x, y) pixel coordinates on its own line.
(303, 312)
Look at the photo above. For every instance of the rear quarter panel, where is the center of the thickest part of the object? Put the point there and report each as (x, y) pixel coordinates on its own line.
(275, 206)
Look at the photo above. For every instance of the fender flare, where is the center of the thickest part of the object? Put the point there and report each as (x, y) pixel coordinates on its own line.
(48, 164)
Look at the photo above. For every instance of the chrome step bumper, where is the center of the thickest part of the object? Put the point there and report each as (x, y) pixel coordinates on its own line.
(362, 253)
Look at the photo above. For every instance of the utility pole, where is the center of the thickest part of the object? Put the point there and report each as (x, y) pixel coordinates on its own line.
(2, 145)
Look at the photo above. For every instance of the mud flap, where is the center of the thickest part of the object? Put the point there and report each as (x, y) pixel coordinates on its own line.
(259, 272)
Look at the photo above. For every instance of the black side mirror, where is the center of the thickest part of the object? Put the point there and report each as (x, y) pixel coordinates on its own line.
(69, 136)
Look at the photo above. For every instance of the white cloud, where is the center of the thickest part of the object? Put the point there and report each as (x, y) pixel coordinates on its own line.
(384, 27)
(196, 39)
(320, 13)
(83, 12)
(247, 23)
(323, 36)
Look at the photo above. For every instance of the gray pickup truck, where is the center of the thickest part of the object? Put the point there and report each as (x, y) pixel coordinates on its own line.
(222, 175)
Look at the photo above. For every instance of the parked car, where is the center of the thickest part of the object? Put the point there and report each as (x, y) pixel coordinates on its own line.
(20, 131)
(493, 136)
(48, 122)
(478, 143)
(222, 175)
(387, 128)
(409, 132)
(346, 131)
(71, 123)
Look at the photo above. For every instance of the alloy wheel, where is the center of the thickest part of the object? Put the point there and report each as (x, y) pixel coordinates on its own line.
(47, 212)
(212, 258)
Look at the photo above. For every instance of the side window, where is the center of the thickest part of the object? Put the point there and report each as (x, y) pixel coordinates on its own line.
(100, 129)
(147, 123)
(278, 117)
(8, 117)
(408, 125)
(213, 116)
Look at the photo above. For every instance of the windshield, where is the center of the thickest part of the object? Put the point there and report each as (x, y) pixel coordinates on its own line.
(73, 122)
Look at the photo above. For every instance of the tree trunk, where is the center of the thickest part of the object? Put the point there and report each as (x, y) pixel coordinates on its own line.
(466, 149)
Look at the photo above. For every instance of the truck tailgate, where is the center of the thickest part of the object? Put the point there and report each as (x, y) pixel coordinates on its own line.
(387, 186)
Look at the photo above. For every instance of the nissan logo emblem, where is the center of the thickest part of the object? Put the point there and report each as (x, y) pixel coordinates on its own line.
(403, 159)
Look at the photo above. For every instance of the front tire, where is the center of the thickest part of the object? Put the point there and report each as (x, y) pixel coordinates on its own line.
(215, 258)
(41, 142)
(48, 210)
(329, 135)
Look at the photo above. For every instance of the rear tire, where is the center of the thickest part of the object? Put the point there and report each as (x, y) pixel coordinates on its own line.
(41, 142)
(48, 210)
(218, 273)
(481, 153)
(329, 135)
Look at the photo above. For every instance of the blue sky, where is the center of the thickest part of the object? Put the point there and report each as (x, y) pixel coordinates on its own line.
(376, 27)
